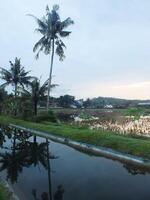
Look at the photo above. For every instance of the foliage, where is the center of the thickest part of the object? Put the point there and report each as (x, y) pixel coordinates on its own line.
(45, 116)
(100, 102)
(16, 75)
(66, 101)
(87, 103)
(3, 97)
(137, 112)
(36, 92)
(25, 108)
(51, 28)
(9, 106)
(84, 115)
(64, 117)
(4, 195)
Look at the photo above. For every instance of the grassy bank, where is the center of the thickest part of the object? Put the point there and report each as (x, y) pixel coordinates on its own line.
(128, 144)
(3, 193)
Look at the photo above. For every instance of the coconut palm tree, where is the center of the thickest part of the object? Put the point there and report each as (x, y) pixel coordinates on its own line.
(15, 76)
(36, 92)
(52, 30)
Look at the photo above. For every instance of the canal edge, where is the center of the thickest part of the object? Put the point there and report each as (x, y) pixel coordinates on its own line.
(91, 149)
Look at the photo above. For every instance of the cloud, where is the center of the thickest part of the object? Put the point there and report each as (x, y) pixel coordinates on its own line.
(139, 90)
(133, 85)
(107, 52)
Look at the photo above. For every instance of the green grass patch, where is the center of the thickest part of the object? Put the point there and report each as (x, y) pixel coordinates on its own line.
(134, 145)
(3, 193)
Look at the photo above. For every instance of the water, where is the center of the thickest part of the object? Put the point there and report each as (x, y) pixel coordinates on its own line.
(68, 174)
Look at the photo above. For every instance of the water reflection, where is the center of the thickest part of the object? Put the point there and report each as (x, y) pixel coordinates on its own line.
(44, 195)
(24, 152)
(13, 159)
(59, 193)
(134, 170)
(21, 150)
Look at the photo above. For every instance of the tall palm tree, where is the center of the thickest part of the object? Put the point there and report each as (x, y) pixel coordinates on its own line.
(15, 76)
(52, 30)
(36, 92)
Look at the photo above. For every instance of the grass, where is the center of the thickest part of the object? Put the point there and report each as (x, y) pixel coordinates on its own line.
(3, 193)
(134, 145)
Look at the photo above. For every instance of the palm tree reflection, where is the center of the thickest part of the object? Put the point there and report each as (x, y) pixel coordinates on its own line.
(45, 195)
(12, 160)
(59, 193)
(24, 152)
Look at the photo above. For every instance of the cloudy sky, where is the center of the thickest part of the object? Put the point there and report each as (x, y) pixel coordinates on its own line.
(108, 52)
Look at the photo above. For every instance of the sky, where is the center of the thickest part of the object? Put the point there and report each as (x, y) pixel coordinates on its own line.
(108, 51)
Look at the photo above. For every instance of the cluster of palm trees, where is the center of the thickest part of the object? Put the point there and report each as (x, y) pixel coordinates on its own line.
(52, 30)
(24, 85)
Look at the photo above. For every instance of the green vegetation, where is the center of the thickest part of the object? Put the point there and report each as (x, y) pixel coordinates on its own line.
(16, 76)
(36, 92)
(3, 193)
(134, 145)
(101, 102)
(44, 116)
(136, 112)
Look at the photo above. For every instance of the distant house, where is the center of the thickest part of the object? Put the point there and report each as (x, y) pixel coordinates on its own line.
(108, 106)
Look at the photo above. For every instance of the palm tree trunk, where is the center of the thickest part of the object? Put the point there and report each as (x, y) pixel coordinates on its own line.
(35, 107)
(50, 75)
(15, 99)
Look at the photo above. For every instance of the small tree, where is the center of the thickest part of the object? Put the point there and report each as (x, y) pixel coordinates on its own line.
(52, 30)
(15, 76)
(66, 101)
(36, 92)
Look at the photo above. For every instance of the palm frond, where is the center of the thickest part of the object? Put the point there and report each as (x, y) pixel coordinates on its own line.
(54, 15)
(60, 49)
(56, 7)
(67, 22)
(39, 30)
(64, 33)
(24, 91)
(40, 22)
(38, 44)
(4, 85)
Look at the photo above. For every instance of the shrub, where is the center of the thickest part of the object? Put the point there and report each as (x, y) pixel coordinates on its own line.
(45, 116)
(64, 117)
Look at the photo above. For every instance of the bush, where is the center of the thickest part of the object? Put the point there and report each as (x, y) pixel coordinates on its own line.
(45, 116)
(64, 117)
